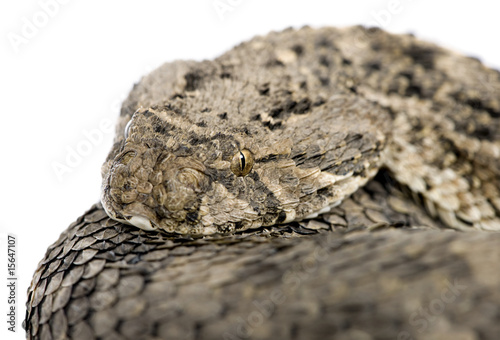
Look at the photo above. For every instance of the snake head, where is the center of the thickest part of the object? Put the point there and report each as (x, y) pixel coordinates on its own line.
(172, 175)
(209, 172)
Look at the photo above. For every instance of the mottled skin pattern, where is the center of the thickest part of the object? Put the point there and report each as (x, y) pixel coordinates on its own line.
(404, 133)
(320, 115)
(313, 140)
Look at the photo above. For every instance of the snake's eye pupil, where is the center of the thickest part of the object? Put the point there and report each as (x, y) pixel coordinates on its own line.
(242, 163)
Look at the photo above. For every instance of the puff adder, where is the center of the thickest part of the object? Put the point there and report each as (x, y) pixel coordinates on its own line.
(296, 187)
(317, 117)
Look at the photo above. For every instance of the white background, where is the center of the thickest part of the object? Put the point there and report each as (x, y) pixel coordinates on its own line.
(70, 75)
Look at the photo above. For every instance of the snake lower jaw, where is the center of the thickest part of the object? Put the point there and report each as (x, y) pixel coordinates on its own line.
(137, 215)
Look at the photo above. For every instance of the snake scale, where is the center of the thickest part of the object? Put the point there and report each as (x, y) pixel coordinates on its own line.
(308, 184)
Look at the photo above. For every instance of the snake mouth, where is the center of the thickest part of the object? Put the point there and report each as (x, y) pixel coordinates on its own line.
(134, 214)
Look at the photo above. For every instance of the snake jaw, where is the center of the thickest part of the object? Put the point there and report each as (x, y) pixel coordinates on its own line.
(138, 221)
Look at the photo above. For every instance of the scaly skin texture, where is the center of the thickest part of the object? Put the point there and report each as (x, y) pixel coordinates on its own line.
(313, 141)
(320, 111)
(404, 133)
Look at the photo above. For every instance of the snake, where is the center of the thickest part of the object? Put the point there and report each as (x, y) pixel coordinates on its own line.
(301, 144)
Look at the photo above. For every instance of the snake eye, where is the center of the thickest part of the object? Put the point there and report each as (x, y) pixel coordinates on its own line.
(242, 163)
(126, 132)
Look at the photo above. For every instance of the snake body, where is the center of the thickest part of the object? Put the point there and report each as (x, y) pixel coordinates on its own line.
(225, 165)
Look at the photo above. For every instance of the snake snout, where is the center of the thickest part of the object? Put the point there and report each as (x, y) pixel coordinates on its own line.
(154, 189)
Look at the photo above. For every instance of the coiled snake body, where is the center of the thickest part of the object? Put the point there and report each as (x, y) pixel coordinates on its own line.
(296, 187)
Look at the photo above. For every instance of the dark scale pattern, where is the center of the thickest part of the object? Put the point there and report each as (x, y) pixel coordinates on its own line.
(422, 120)
(349, 276)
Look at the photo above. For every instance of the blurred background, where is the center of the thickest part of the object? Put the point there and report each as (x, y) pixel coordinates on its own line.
(67, 65)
